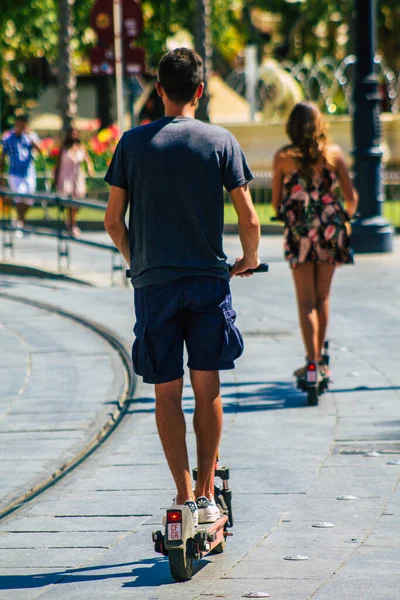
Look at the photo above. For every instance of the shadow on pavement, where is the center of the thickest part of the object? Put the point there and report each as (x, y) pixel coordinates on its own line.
(274, 395)
(365, 388)
(151, 572)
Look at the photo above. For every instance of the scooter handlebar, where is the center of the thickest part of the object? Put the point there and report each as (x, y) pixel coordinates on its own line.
(262, 268)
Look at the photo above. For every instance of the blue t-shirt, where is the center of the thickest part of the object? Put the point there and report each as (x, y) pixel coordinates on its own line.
(19, 151)
(175, 170)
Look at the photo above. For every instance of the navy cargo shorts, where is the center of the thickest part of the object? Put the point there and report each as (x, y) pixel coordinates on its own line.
(196, 311)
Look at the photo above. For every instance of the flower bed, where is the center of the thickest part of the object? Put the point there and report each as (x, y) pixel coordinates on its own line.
(100, 148)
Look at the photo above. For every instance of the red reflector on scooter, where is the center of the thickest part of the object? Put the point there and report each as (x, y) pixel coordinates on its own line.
(174, 516)
(311, 367)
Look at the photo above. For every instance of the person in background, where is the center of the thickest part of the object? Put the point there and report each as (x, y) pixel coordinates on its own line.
(18, 147)
(316, 238)
(70, 178)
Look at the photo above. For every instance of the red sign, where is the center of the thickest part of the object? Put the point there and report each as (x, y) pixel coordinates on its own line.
(134, 61)
(102, 20)
(103, 60)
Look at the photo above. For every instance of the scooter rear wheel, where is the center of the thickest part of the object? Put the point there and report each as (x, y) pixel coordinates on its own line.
(180, 564)
(312, 396)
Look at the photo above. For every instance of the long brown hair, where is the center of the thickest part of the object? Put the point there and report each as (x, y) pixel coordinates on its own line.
(306, 129)
(71, 138)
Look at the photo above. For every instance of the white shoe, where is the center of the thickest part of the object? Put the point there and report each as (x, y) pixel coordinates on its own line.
(208, 510)
(191, 506)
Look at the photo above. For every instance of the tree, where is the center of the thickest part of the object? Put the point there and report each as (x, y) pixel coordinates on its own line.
(66, 78)
(204, 49)
(28, 39)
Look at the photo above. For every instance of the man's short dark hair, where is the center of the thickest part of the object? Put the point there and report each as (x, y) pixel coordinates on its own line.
(21, 117)
(180, 73)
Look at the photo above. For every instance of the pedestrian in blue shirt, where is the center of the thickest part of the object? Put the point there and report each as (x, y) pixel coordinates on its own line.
(172, 174)
(18, 147)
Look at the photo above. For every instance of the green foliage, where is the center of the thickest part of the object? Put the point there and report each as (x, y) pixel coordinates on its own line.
(299, 30)
(162, 20)
(28, 31)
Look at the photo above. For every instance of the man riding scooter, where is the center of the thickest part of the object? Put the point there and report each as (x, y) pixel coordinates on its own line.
(172, 174)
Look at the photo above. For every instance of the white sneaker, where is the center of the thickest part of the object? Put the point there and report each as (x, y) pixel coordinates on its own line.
(208, 510)
(191, 506)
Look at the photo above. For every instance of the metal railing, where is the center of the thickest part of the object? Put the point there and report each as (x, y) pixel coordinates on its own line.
(53, 225)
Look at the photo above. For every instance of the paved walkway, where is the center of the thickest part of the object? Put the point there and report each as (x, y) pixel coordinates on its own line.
(90, 535)
(59, 384)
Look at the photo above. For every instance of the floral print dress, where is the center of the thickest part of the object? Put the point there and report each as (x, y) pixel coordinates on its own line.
(316, 224)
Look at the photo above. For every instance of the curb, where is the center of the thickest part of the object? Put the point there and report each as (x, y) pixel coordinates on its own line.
(108, 427)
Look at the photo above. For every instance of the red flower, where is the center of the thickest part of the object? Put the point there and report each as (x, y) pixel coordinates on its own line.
(115, 131)
(329, 232)
(297, 188)
(327, 199)
(47, 143)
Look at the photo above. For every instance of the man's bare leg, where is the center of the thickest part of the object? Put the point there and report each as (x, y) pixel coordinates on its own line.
(172, 431)
(207, 424)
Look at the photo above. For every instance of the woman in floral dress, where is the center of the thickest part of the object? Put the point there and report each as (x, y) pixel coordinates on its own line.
(316, 237)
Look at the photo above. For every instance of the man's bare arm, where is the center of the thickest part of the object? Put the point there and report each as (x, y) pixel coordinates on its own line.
(114, 220)
(249, 229)
(36, 147)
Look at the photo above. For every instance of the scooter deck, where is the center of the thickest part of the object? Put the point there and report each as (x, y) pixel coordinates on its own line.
(210, 535)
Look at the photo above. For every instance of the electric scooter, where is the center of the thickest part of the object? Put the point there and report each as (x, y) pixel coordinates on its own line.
(312, 382)
(183, 543)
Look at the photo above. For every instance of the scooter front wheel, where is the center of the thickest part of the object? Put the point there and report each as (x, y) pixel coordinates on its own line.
(180, 564)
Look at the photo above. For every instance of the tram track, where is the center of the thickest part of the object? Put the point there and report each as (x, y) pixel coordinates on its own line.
(110, 424)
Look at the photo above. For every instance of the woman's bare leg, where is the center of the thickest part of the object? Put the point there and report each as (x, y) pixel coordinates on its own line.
(304, 281)
(323, 279)
(72, 214)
